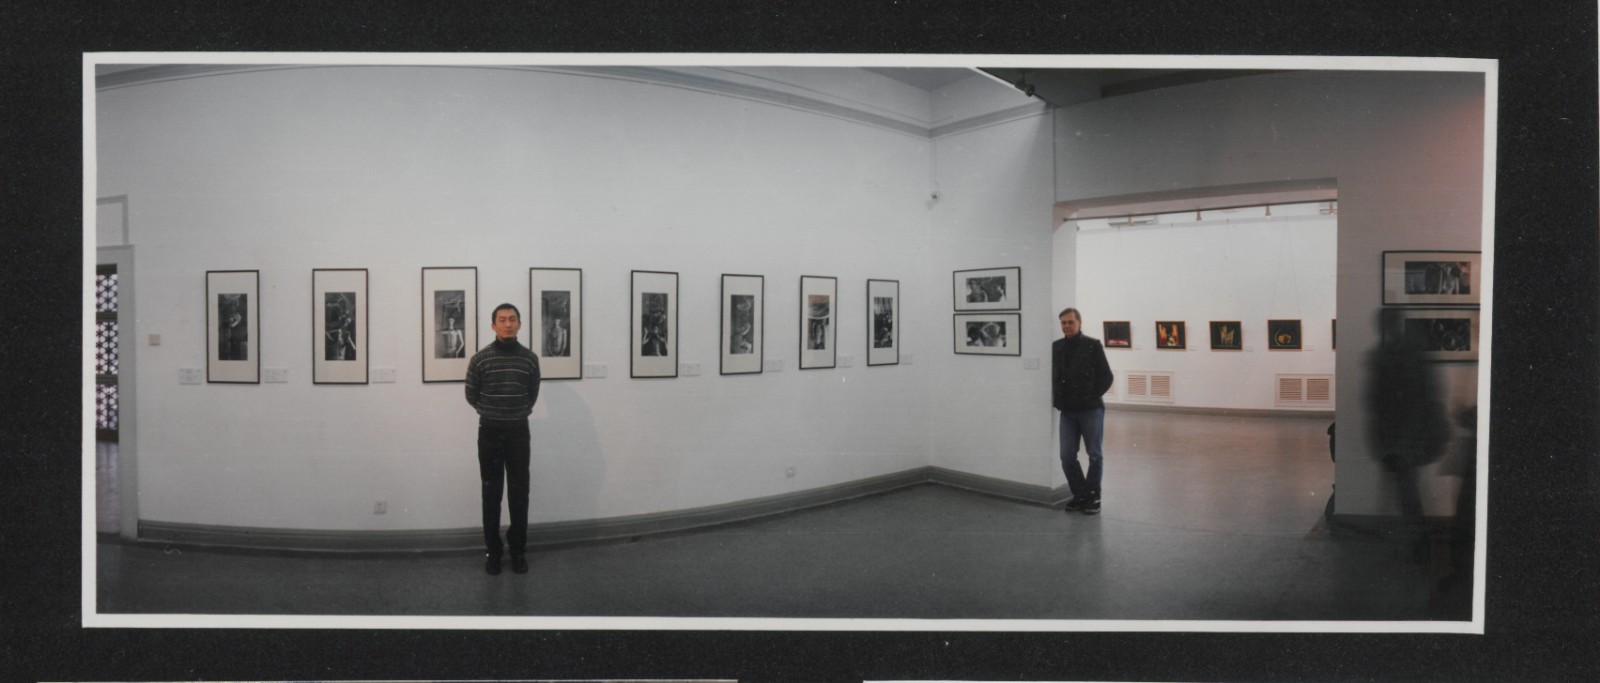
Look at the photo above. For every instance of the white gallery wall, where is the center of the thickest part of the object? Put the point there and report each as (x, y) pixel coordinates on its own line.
(1232, 266)
(1406, 151)
(396, 168)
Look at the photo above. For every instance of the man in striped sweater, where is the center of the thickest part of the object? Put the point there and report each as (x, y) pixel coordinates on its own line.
(502, 385)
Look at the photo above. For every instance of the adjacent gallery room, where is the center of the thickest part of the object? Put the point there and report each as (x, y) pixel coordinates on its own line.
(794, 326)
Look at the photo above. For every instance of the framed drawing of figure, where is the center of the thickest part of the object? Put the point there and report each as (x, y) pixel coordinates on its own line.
(653, 308)
(233, 326)
(449, 322)
(819, 298)
(1171, 334)
(743, 324)
(989, 289)
(555, 321)
(339, 326)
(1227, 335)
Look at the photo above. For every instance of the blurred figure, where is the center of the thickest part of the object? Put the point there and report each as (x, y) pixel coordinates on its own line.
(1407, 425)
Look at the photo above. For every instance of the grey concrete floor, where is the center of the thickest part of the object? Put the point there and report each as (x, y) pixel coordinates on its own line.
(1205, 518)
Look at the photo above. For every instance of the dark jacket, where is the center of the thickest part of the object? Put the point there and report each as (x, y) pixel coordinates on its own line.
(1079, 373)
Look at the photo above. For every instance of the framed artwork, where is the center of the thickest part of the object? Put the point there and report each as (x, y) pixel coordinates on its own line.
(653, 308)
(988, 334)
(449, 322)
(555, 321)
(992, 289)
(1432, 278)
(1227, 335)
(743, 330)
(1119, 334)
(233, 326)
(339, 326)
(1171, 334)
(819, 315)
(1283, 335)
(883, 318)
(1443, 335)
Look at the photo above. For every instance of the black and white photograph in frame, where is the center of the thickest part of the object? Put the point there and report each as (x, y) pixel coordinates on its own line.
(1442, 335)
(555, 321)
(992, 289)
(339, 326)
(743, 324)
(654, 314)
(1432, 278)
(883, 322)
(449, 322)
(819, 317)
(233, 326)
(988, 334)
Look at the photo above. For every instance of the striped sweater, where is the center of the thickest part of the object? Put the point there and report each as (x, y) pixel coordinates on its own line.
(503, 381)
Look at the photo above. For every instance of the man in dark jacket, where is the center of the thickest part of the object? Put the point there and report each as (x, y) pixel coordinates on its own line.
(1080, 375)
(502, 386)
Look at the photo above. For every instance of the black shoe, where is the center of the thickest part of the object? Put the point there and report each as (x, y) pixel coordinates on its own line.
(1076, 504)
(519, 564)
(492, 567)
(1091, 506)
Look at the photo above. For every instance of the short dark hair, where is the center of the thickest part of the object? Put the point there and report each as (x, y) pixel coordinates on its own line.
(1073, 311)
(502, 307)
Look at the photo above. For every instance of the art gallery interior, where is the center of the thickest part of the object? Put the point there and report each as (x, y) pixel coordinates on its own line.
(1136, 195)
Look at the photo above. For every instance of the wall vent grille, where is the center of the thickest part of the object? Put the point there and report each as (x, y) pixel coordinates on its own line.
(1304, 391)
(1148, 387)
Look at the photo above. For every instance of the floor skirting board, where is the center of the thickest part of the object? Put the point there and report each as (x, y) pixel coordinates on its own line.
(1231, 412)
(579, 531)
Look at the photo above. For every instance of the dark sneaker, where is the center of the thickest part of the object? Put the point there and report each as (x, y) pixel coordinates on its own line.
(519, 564)
(492, 567)
(1076, 504)
(1091, 506)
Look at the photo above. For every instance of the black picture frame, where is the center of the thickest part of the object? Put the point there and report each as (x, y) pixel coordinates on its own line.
(1432, 278)
(1227, 335)
(884, 310)
(1118, 334)
(340, 314)
(560, 349)
(741, 330)
(819, 322)
(987, 289)
(1284, 335)
(653, 314)
(987, 334)
(1445, 335)
(233, 326)
(445, 353)
(1171, 335)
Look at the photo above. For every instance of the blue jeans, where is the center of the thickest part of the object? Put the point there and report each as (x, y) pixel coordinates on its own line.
(1088, 425)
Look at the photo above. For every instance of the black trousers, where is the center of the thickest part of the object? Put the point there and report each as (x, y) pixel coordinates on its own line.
(503, 455)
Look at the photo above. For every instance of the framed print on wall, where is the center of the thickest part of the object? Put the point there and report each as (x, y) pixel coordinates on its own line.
(743, 324)
(339, 326)
(819, 315)
(1227, 335)
(1283, 335)
(988, 334)
(990, 289)
(1443, 335)
(1432, 278)
(233, 326)
(449, 322)
(555, 321)
(1171, 334)
(1119, 334)
(653, 308)
(883, 322)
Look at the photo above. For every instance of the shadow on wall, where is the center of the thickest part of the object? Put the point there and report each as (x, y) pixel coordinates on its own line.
(568, 468)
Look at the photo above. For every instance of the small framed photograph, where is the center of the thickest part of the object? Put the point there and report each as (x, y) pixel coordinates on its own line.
(339, 326)
(1171, 334)
(653, 309)
(1119, 334)
(883, 317)
(1432, 278)
(991, 289)
(555, 321)
(1283, 335)
(233, 326)
(1443, 335)
(449, 322)
(819, 298)
(743, 327)
(1227, 335)
(988, 334)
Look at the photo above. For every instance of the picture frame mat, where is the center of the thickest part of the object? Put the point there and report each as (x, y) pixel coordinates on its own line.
(742, 363)
(247, 282)
(570, 280)
(827, 357)
(444, 279)
(640, 365)
(962, 282)
(889, 355)
(1013, 334)
(1394, 278)
(324, 281)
